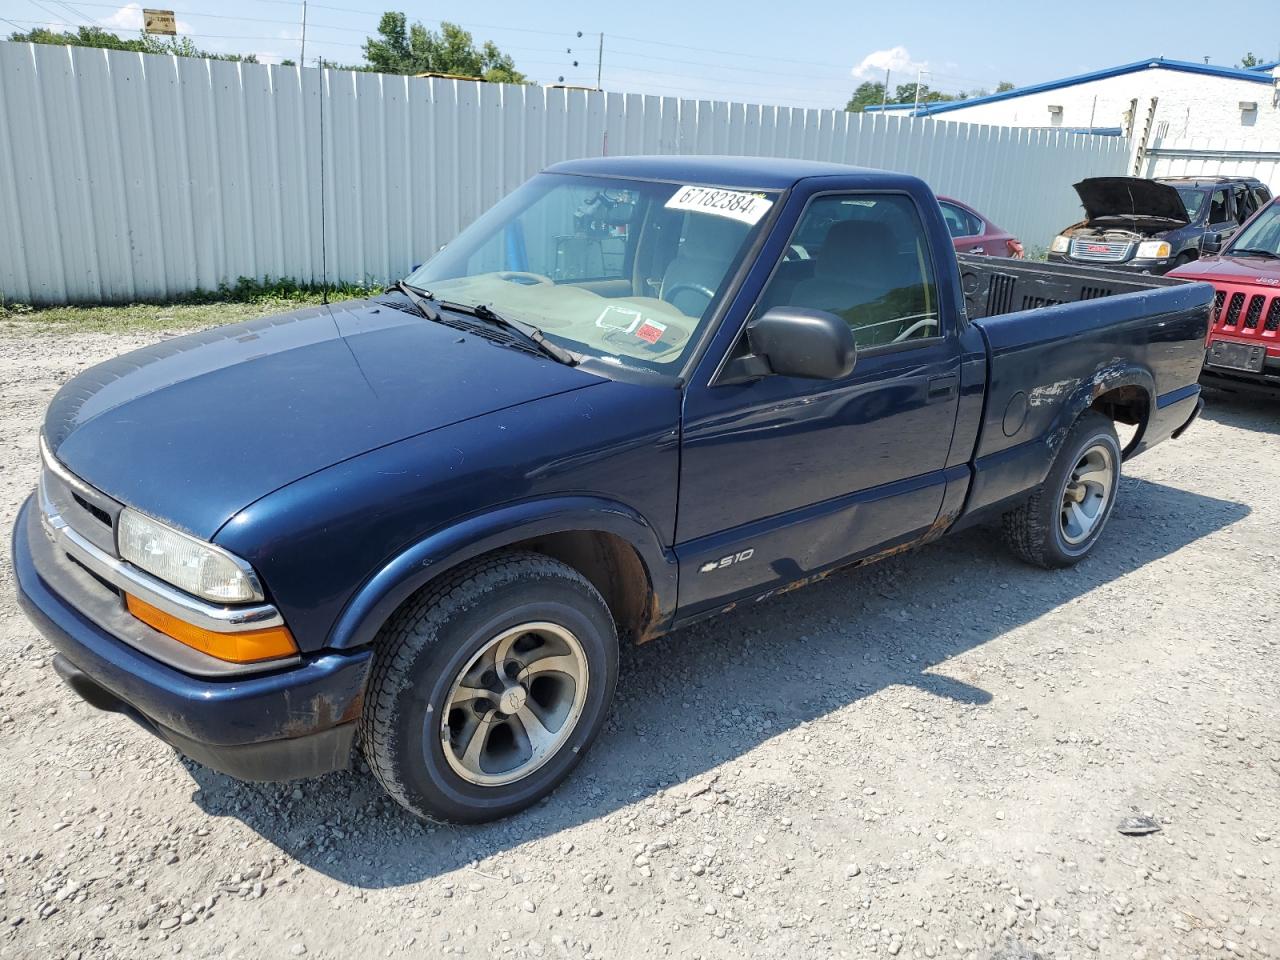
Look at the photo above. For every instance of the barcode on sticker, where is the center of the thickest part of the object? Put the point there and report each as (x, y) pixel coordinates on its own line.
(735, 204)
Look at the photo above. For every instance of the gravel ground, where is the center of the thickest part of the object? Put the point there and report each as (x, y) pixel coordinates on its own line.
(925, 758)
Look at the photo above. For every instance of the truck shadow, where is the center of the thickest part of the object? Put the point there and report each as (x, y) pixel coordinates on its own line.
(1248, 411)
(688, 702)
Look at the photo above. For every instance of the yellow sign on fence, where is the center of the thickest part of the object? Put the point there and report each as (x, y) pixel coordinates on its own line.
(159, 21)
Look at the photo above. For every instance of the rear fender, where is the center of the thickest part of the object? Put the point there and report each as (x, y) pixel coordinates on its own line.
(1008, 475)
(445, 549)
(1113, 376)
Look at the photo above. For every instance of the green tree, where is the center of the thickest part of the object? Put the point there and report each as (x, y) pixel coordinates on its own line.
(1003, 86)
(409, 49)
(868, 94)
(906, 93)
(1249, 60)
(144, 43)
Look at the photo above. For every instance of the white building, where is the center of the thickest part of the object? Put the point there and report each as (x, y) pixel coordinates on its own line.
(1194, 100)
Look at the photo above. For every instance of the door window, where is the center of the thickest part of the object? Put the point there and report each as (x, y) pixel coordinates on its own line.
(865, 258)
(1243, 202)
(1218, 207)
(961, 223)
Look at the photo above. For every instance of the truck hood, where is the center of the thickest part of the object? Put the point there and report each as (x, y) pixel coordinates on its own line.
(1133, 198)
(1257, 271)
(193, 429)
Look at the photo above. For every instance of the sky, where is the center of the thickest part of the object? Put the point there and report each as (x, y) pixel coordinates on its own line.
(808, 54)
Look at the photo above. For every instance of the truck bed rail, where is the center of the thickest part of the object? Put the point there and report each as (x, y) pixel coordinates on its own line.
(993, 286)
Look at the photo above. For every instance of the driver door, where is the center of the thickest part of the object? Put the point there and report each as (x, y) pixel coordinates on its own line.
(783, 477)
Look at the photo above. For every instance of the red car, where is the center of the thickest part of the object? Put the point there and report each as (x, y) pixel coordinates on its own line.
(971, 232)
(1243, 347)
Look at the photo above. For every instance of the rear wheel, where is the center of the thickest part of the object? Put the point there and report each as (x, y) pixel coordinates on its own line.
(1060, 523)
(487, 688)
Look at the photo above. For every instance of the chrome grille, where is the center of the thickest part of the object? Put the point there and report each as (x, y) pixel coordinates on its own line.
(1101, 251)
(88, 512)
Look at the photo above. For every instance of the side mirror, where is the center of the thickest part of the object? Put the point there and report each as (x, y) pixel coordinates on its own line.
(797, 342)
(1211, 243)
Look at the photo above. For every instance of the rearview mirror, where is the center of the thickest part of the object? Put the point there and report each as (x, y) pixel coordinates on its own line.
(1211, 243)
(797, 342)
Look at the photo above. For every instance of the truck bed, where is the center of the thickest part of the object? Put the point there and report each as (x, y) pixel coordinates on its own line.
(996, 285)
(1062, 338)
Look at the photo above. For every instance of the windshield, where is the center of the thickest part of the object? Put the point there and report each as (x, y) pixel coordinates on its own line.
(625, 270)
(1193, 200)
(1261, 234)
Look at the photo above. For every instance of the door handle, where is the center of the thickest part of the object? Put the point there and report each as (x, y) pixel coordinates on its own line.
(942, 387)
(978, 250)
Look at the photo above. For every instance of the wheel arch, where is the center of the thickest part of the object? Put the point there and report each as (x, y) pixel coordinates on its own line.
(1123, 393)
(611, 544)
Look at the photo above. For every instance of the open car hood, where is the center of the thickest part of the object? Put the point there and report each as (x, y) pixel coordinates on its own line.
(1130, 197)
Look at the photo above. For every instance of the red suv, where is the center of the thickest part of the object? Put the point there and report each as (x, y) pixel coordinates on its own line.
(1244, 337)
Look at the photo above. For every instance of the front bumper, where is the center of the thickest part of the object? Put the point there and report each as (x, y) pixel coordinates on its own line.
(294, 722)
(1267, 382)
(1154, 267)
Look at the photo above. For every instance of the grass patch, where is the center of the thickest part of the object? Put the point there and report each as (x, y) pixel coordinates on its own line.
(245, 300)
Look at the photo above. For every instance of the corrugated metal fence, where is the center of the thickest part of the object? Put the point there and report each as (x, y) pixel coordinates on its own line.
(1214, 157)
(128, 176)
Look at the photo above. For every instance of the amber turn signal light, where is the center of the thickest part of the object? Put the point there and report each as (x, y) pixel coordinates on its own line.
(246, 646)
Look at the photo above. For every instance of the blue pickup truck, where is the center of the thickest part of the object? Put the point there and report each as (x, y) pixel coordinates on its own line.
(637, 392)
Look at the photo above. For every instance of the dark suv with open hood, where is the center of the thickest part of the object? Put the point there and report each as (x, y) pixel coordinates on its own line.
(1152, 226)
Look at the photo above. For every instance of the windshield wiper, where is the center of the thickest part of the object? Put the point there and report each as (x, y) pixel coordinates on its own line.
(1250, 252)
(527, 331)
(420, 303)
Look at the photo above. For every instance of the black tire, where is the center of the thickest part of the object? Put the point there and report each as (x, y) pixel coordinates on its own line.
(426, 645)
(1035, 529)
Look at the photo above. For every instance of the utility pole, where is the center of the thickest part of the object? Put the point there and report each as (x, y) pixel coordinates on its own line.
(885, 99)
(302, 55)
(916, 109)
(600, 61)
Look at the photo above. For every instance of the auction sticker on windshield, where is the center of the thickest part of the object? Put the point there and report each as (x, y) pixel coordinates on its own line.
(735, 204)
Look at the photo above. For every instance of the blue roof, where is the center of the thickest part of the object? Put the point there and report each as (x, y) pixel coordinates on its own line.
(1264, 67)
(761, 173)
(1252, 74)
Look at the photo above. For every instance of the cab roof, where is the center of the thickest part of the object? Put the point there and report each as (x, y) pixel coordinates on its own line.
(1207, 181)
(763, 173)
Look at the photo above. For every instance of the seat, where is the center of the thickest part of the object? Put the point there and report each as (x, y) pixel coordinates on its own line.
(706, 251)
(857, 263)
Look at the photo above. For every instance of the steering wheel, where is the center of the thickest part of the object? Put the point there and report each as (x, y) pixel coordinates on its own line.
(669, 293)
(524, 277)
(921, 324)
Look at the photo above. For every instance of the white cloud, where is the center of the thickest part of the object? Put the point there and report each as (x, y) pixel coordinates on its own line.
(128, 17)
(895, 59)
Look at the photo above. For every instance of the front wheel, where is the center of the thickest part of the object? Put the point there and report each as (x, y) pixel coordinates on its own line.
(1061, 522)
(488, 687)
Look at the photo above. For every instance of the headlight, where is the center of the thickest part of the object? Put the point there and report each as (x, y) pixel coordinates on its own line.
(1153, 250)
(189, 564)
(1061, 243)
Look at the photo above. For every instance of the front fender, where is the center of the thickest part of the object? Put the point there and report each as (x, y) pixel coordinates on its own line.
(450, 546)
